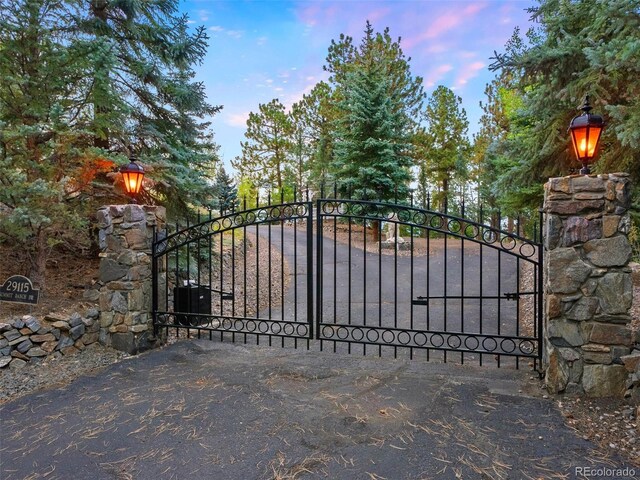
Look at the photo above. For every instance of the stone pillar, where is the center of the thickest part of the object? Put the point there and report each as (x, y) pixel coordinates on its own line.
(125, 277)
(588, 283)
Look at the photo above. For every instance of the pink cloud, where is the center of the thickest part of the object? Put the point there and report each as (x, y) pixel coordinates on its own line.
(444, 23)
(436, 74)
(468, 72)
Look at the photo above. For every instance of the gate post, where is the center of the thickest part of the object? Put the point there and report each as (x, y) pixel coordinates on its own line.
(588, 284)
(125, 276)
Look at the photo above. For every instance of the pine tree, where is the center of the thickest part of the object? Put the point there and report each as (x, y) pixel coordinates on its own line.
(83, 85)
(266, 151)
(226, 192)
(580, 47)
(371, 152)
(312, 119)
(442, 146)
(376, 98)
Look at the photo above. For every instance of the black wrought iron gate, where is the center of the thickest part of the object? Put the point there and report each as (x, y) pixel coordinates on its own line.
(353, 275)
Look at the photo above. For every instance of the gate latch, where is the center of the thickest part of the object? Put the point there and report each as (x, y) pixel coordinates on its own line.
(512, 296)
(420, 301)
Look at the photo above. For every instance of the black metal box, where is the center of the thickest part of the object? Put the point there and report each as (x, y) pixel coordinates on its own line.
(191, 299)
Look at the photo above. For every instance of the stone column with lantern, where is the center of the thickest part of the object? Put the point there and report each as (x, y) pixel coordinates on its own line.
(587, 275)
(124, 287)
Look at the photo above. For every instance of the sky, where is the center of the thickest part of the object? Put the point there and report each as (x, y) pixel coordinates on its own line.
(265, 49)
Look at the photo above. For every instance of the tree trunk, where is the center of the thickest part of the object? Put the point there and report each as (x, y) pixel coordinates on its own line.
(445, 195)
(375, 230)
(38, 261)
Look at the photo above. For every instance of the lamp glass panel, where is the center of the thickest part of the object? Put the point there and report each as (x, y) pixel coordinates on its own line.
(132, 181)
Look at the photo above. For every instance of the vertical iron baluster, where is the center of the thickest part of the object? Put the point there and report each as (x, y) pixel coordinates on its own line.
(538, 312)
(233, 267)
(154, 281)
(364, 262)
(269, 210)
(310, 320)
(518, 289)
(295, 256)
(411, 272)
(349, 204)
(428, 254)
(244, 261)
(282, 283)
(396, 230)
(462, 299)
(319, 279)
(499, 234)
(335, 258)
(446, 261)
(221, 240)
(481, 232)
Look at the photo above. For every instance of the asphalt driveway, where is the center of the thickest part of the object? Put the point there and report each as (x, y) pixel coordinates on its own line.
(209, 410)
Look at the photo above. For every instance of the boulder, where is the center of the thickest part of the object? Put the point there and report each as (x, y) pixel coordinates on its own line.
(615, 291)
(604, 380)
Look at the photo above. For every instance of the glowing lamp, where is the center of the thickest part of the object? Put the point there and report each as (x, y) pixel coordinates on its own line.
(585, 134)
(132, 174)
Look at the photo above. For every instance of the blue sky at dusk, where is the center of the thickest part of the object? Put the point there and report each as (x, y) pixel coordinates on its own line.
(260, 50)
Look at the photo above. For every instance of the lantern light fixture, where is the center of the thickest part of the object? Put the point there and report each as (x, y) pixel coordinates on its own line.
(585, 132)
(132, 175)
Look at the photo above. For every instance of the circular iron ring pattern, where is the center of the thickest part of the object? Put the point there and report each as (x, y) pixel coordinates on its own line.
(527, 250)
(471, 231)
(423, 339)
(288, 329)
(454, 341)
(419, 218)
(510, 345)
(489, 236)
(489, 349)
(469, 343)
(508, 242)
(404, 338)
(372, 338)
(440, 340)
(357, 334)
(527, 347)
(276, 328)
(454, 226)
(301, 330)
(227, 223)
(328, 329)
(328, 208)
(388, 336)
(342, 333)
(436, 222)
(263, 327)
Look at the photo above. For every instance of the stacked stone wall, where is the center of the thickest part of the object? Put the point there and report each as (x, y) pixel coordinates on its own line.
(29, 340)
(125, 275)
(588, 284)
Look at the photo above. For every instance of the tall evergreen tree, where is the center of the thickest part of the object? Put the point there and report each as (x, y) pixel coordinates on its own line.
(376, 98)
(265, 153)
(580, 47)
(442, 146)
(83, 84)
(226, 192)
(372, 145)
(313, 121)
